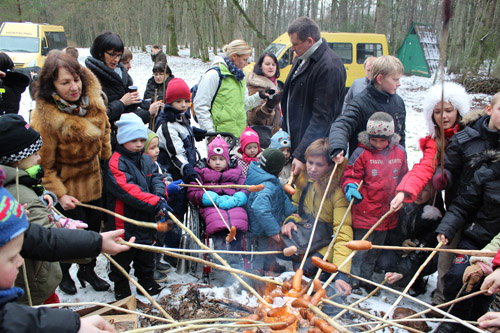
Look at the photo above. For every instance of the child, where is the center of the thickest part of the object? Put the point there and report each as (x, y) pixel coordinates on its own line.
(249, 149)
(135, 190)
(380, 162)
(220, 170)
(281, 140)
(379, 95)
(267, 208)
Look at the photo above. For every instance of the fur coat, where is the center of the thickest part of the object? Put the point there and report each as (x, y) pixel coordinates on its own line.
(73, 145)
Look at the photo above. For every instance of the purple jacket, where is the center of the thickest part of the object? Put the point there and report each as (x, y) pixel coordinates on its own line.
(236, 216)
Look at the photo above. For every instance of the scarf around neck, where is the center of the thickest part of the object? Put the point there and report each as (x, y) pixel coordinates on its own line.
(238, 73)
(249, 159)
(448, 133)
(79, 109)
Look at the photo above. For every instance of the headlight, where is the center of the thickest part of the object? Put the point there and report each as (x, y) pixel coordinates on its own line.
(32, 63)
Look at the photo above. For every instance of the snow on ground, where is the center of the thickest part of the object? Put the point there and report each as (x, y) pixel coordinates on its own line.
(412, 90)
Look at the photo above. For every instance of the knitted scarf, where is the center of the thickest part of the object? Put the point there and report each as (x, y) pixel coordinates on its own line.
(238, 73)
(448, 133)
(33, 179)
(249, 159)
(71, 108)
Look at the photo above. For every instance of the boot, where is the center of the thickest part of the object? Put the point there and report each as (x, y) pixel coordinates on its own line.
(86, 273)
(67, 284)
(151, 287)
(122, 290)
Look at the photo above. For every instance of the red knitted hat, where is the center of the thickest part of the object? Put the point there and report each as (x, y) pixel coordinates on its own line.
(177, 89)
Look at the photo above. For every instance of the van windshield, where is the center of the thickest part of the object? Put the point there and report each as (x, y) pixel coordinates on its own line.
(275, 48)
(19, 44)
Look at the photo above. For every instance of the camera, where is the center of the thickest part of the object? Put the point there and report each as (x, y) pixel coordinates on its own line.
(271, 93)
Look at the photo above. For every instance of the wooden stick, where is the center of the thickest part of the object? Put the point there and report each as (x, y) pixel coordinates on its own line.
(451, 306)
(329, 320)
(251, 188)
(317, 217)
(409, 320)
(213, 203)
(218, 257)
(152, 119)
(157, 249)
(192, 324)
(171, 249)
(144, 292)
(25, 273)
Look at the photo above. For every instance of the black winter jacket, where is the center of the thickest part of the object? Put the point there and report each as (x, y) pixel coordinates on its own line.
(48, 245)
(14, 85)
(477, 209)
(151, 86)
(313, 98)
(134, 189)
(353, 121)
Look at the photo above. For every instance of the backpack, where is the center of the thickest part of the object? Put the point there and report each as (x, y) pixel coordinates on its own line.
(194, 90)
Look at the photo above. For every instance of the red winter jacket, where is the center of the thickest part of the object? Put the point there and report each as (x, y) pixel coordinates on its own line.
(414, 181)
(380, 171)
(496, 261)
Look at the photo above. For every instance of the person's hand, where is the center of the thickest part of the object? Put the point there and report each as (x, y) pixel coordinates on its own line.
(271, 103)
(263, 94)
(393, 277)
(155, 107)
(95, 324)
(397, 202)
(227, 202)
(68, 223)
(339, 158)
(408, 243)
(189, 174)
(241, 198)
(490, 321)
(297, 166)
(174, 188)
(50, 201)
(2, 74)
(439, 181)
(343, 287)
(351, 192)
(276, 238)
(199, 134)
(68, 202)
(205, 199)
(109, 239)
(287, 229)
(472, 276)
(162, 208)
(442, 238)
(492, 282)
(131, 98)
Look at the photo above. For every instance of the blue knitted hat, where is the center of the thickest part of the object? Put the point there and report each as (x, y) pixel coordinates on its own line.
(281, 139)
(13, 220)
(130, 127)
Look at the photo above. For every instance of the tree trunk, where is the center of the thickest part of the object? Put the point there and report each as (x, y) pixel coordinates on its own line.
(172, 36)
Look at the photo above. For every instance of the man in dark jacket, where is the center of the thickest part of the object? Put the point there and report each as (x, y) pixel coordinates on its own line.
(314, 91)
(157, 55)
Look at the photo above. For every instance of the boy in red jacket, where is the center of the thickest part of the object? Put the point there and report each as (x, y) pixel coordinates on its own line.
(380, 162)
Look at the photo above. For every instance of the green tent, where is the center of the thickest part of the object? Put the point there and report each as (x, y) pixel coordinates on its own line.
(419, 52)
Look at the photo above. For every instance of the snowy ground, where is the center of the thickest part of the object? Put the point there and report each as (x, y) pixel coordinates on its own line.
(411, 90)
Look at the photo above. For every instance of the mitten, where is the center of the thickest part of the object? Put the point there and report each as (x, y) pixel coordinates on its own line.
(199, 134)
(174, 188)
(162, 208)
(271, 103)
(241, 198)
(227, 202)
(440, 181)
(472, 276)
(68, 223)
(205, 200)
(189, 175)
(351, 192)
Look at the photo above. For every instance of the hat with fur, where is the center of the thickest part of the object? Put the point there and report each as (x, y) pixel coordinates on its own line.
(454, 93)
(248, 136)
(380, 125)
(218, 146)
(281, 139)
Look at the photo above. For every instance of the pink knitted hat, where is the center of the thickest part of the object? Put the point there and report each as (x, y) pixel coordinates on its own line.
(218, 146)
(248, 136)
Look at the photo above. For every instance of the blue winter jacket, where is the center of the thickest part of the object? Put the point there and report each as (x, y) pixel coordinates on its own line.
(268, 208)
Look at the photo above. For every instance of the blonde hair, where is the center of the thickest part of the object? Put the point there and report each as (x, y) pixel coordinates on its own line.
(386, 65)
(319, 148)
(127, 55)
(495, 99)
(238, 47)
(369, 60)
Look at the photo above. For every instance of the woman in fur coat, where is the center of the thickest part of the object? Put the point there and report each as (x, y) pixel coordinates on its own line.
(70, 115)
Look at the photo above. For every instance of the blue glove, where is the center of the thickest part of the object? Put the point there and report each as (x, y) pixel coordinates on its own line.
(241, 198)
(174, 188)
(205, 200)
(162, 208)
(227, 202)
(351, 191)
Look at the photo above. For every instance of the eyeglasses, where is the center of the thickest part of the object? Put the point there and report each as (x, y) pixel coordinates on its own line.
(113, 55)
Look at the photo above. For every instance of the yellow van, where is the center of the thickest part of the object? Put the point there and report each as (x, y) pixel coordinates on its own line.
(352, 48)
(27, 44)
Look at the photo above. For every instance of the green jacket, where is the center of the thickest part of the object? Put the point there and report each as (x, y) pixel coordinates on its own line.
(43, 277)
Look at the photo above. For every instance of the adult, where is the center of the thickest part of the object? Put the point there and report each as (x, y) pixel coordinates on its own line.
(12, 85)
(222, 98)
(157, 55)
(314, 90)
(265, 118)
(360, 84)
(70, 115)
(157, 84)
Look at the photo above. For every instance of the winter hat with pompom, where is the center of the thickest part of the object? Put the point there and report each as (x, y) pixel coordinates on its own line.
(380, 125)
(281, 139)
(454, 93)
(272, 161)
(177, 89)
(218, 146)
(130, 127)
(248, 136)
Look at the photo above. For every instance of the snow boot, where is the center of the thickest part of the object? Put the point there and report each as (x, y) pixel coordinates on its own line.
(67, 284)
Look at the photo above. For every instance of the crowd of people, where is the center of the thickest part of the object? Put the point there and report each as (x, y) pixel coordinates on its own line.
(92, 140)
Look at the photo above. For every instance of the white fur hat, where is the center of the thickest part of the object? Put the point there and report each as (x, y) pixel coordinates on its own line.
(453, 93)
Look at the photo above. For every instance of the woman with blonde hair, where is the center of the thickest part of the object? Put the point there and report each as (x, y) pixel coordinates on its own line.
(222, 99)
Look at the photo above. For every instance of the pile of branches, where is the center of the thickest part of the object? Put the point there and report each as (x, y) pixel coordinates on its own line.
(479, 84)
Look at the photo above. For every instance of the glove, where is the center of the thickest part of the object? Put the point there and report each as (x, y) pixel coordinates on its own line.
(206, 201)
(174, 188)
(351, 191)
(408, 243)
(439, 181)
(227, 202)
(271, 103)
(162, 208)
(473, 275)
(189, 175)
(199, 134)
(262, 94)
(68, 223)
(241, 198)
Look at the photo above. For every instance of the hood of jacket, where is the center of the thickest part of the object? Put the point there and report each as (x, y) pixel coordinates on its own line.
(259, 82)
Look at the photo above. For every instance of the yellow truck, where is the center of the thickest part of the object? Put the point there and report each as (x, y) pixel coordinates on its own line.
(352, 48)
(27, 44)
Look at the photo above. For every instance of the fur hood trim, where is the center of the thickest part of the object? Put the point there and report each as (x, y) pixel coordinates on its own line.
(472, 117)
(453, 93)
(321, 184)
(487, 156)
(365, 141)
(259, 81)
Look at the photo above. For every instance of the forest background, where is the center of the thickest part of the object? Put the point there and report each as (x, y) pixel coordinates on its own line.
(473, 37)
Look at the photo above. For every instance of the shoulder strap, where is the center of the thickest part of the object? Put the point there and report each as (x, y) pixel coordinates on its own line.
(302, 198)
